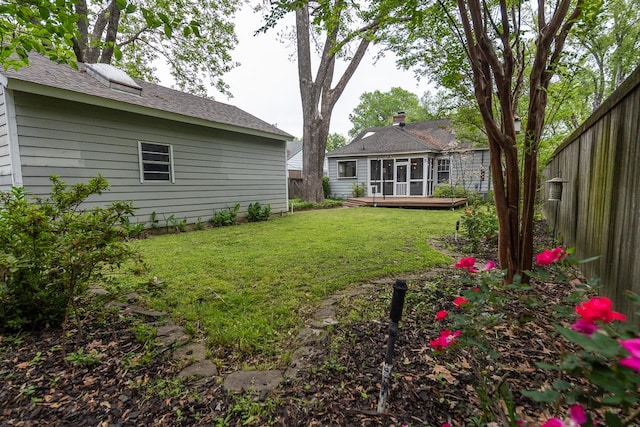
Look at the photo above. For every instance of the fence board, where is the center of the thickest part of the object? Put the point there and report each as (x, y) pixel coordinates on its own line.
(599, 212)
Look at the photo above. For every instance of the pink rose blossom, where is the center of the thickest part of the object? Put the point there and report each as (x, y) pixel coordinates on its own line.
(468, 263)
(549, 256)
(598, 308)
(459, 301)
(577, 415)
(584, 326)
(633, 347)
(441, 314)
(445, 339)
(490, 265)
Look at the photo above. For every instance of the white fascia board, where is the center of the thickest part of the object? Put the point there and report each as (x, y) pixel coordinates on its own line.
(381, 155)
(37, 89)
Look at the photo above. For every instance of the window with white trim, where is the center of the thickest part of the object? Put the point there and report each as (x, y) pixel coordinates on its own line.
(347, 169)
(156, 162)
(444, 167)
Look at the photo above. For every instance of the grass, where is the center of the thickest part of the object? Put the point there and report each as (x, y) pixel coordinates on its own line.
(250, 287)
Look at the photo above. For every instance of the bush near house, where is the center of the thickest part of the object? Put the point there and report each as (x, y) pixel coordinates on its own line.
(50, 250)
(256, 212)
(455, 191)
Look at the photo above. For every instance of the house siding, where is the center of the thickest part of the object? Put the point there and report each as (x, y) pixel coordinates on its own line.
(342, 188)
(295, 162)
(213, 169)
(466, 170)
(5, 155)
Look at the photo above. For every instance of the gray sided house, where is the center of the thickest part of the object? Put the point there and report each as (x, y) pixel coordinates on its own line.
(406, 160)
(169, 152)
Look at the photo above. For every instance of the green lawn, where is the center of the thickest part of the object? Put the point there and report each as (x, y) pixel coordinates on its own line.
(249, 287)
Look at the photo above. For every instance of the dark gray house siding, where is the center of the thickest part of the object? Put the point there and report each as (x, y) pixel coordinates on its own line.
(470, 169)
(343, 187)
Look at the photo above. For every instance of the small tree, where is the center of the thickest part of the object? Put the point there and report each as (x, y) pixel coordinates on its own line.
(51, 249)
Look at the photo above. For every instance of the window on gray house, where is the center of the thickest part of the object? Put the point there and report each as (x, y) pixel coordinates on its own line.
(156, 162)
(444, 166)
(347, 169)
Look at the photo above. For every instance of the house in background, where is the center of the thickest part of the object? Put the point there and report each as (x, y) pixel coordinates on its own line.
(169, 152)
(408, 159)
(294, 160)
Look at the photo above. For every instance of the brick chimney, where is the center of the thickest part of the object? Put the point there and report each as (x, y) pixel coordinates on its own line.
(399, 118)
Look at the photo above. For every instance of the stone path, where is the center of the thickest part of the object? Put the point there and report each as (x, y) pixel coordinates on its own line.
(193, 355)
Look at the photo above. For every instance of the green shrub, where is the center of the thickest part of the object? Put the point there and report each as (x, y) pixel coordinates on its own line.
(257, 212)
(480, 224)
(300, 205)
(228, 216)
(51, 248)
(448, 191)
(326, 187)
(357, 190)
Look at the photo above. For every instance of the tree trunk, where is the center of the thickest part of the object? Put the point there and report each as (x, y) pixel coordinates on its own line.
(319, 98)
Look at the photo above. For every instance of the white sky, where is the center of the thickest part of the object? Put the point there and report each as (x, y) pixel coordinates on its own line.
(266, 82)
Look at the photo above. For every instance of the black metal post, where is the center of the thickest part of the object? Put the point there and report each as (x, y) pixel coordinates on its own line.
(397, 304)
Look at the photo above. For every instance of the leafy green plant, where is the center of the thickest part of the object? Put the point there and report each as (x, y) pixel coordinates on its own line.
(52, 248)
(480, 224)
(133, 231)
(300, 205)
(256, 212)
(326, 187)
(357, 190)
(456, 192)
(200, 225)
(82, 358)
(154, 220)
(227, 216)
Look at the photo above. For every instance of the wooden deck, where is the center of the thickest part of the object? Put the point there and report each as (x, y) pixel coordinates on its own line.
(407, 202)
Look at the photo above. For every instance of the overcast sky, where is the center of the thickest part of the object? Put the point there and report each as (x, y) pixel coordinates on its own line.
(266, 82)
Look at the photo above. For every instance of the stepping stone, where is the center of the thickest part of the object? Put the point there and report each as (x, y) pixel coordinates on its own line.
(253, 381)
(204, 368)
(322, 323)
(324, 312)
(308, 336)
(97, 290)
(300, 359)
(191, 352)
(150, 313)
(172, 335)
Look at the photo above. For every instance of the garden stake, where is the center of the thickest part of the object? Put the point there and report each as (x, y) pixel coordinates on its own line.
(397, 303)
(457, 229)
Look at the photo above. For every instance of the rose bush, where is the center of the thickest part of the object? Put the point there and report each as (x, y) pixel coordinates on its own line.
(603, 375)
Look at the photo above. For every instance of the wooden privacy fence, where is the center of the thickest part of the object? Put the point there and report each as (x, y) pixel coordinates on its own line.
(599, 211)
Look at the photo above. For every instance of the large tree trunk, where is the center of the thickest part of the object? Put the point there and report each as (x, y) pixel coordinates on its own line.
(319, 98)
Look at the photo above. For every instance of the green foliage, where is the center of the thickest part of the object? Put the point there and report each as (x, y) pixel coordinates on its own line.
(301, 205)
(132, 231)
(334, 141)
(480, 224)
(228, 216)
(82, 358)
(378, 108)
(449, 191)
(50, 249)
(357, 190)
(154, 220)
(326, 187)
(256, 212)
(43, 26)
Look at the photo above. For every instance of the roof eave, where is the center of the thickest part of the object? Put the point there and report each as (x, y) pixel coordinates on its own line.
(395, 154)
(38, 89)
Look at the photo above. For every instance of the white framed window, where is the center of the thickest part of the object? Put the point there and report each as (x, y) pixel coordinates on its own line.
(444, 167)
(156, 162)
(347, 169)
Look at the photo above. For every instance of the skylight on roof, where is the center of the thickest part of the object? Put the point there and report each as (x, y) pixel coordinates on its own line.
(113, 78)
(368, 134)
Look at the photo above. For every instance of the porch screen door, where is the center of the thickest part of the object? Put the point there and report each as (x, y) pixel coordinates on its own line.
(401, 179)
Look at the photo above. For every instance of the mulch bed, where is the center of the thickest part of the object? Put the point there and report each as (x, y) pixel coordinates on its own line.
(134, 384)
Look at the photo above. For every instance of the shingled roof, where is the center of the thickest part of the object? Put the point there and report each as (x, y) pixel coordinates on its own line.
(427, 136)
(46, 77)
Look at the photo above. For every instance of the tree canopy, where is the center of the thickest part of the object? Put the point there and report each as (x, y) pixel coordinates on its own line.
(134, 36)
(378, 108)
